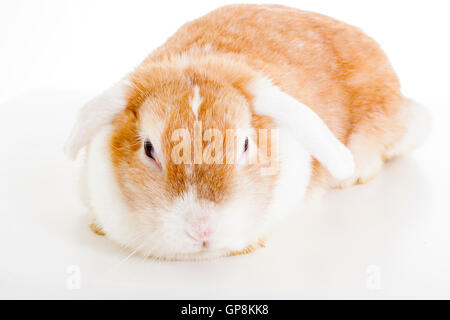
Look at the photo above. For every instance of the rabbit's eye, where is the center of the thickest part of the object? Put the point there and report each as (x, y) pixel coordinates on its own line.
(149, 150)
(246, 144)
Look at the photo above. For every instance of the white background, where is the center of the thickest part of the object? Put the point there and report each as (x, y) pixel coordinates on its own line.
(387, 239)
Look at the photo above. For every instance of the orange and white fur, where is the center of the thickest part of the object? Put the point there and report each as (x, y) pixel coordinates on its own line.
(326, 87)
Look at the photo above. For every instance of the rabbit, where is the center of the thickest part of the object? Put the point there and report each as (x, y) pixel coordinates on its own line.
(312, 103)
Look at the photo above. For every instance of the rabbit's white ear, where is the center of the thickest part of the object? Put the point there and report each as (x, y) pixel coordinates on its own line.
(95, 114)
(306, 125)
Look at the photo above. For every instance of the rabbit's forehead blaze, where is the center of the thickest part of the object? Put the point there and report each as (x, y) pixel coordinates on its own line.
(198, 112)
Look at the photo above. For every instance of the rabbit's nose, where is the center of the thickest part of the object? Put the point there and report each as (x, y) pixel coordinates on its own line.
(199, 228)
(201, 235)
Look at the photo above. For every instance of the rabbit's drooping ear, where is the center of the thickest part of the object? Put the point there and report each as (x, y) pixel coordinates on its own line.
(95, 114)
(306, 125)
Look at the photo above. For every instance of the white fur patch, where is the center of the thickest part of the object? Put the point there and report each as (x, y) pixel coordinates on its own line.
(418, 123)
(105, 197)
(196, 101)
(293, 179)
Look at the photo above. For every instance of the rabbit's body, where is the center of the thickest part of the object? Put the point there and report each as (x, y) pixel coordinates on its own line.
(252, 67)
(332, 67)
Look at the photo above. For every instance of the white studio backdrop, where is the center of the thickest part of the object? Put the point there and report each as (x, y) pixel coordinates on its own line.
(387, 239)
